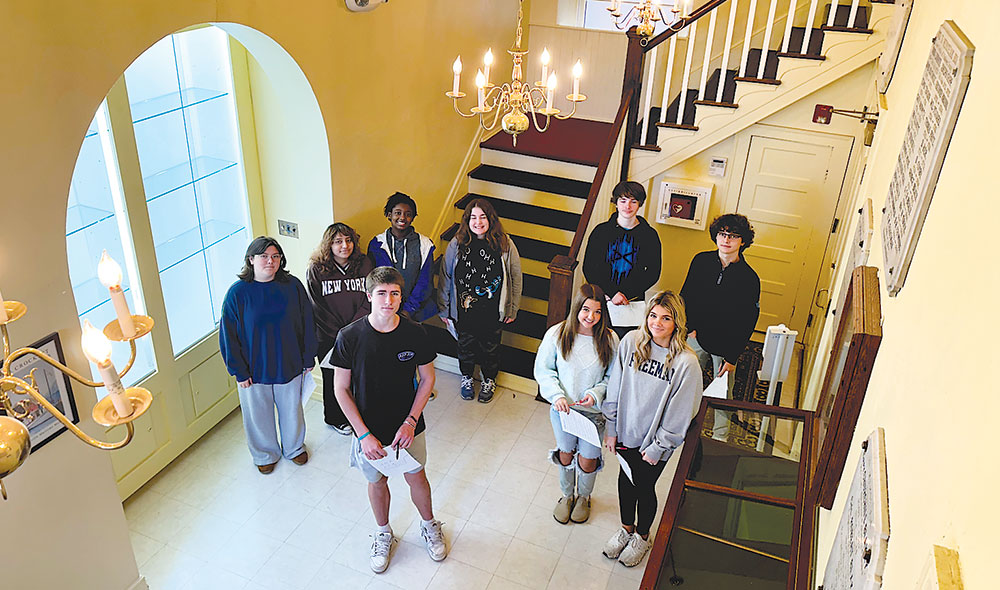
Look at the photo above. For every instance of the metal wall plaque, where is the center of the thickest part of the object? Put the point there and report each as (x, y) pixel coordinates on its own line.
(857, 557)
(935, 111)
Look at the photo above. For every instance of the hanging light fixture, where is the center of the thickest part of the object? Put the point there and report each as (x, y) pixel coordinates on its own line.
(515, 104)
(644, 15)
(121, 405)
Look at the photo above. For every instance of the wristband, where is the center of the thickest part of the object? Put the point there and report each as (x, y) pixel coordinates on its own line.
(360, 438)
(410, 417)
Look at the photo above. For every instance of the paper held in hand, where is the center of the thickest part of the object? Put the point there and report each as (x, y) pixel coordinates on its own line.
(628, 315)
(579, 425)
(719, 387)
(625, 468)
(390, 466)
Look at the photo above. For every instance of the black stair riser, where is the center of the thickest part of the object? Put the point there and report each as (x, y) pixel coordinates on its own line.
(518, 211)
(531, 181)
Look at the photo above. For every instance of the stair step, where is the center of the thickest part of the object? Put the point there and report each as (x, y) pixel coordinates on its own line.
(537, 287)
(449, 233)
(753, 66)
(538, 249)
(795, 42)
(842, 17)
(547, 166)
(528, 324)
(678, 126)
(647, 147)
(526, 213)
(712, 103)
(770, 81)
(578, 141)
(803, 56)
(531, 180)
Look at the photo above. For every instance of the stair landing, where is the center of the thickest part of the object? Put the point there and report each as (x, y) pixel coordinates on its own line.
(578, 141)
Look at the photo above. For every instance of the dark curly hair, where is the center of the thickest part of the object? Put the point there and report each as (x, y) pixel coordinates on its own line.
(733, 223)
(323, 256)
(397, 198)
(628, 188)
(258, 246)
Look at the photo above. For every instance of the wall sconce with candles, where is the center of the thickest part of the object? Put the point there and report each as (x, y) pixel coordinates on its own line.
(121, 405)
(513, 101)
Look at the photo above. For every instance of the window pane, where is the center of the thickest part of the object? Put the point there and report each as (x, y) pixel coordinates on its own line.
(94, 221)
(187, 137)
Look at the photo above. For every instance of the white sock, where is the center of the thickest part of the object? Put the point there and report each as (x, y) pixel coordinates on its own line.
(384, 529)
(426, 523)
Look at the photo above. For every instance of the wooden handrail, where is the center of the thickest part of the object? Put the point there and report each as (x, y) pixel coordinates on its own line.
(697, 13)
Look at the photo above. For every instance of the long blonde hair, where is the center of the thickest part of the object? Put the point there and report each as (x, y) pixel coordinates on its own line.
(678, 340)
(602, 330)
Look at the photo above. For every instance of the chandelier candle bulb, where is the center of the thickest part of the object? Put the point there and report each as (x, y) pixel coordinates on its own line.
(577, 73)
(550, 88)
(545, 64)
(481, 86)
(97, 349)
(457, 69)
(487, 62)
(110, 275)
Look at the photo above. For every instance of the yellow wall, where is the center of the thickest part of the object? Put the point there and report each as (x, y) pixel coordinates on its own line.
(379, 79)
(933, 388)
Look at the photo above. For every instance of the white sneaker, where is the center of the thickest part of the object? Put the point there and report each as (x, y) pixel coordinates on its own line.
(381, 546)
(634, 552)
(613, 548)
(434, 539)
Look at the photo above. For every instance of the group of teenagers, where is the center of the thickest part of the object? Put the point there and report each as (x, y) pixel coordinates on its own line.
(360, 315)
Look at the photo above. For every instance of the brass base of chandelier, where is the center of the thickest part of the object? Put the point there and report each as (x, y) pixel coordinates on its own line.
(143, 326)
(104, 412)
(576, 97)
(455, 94)
(548, 112)
(478, 110)
(15, 311)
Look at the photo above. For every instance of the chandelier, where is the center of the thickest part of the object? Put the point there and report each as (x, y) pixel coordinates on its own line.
(512, 102)
(120, 406)
(644, 14)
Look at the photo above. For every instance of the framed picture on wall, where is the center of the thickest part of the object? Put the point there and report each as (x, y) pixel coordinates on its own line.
(51, 383)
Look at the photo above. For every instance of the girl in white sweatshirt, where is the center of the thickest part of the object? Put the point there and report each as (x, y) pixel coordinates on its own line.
(654, 387)
(571, 368)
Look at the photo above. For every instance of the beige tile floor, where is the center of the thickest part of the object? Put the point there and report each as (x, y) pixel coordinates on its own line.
(210, 521)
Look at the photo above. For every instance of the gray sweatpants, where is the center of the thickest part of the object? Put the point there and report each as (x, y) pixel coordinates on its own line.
(258, 403)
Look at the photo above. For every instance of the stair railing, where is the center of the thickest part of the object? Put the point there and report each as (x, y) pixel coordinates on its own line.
(715, 54)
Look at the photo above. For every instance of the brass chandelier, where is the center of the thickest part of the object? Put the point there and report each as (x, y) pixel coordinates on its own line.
(120, 406)
(512, 102)
(646, 13)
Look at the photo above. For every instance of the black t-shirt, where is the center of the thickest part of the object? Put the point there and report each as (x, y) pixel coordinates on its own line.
(382, 367)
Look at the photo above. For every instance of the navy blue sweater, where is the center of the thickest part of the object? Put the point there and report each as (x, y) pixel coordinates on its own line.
(267, 332)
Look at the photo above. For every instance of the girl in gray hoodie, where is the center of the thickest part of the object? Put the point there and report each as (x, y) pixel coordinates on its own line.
(653, 391)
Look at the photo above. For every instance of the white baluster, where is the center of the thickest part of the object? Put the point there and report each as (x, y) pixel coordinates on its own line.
(834, 4)
(747, 38)
(853, 18)
(725, 50)
(682, 99)
(809, 26)
(789, 22)
(767, 38)
(650, 74)
(668, 76)
(707, 61)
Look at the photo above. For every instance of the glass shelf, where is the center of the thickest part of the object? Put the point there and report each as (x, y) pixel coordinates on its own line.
(179, 176)
(168, 103)
(186, 244)
(81, 217)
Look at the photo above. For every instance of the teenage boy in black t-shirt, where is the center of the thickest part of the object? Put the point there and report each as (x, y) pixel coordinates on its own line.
(374, 360)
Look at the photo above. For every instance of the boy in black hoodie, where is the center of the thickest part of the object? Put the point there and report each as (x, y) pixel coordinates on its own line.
(623, 253)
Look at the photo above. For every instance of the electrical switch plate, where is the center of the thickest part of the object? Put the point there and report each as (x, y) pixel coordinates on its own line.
(717, 166)
(287, 228)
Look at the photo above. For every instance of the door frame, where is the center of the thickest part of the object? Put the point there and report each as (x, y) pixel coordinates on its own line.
(810, 335)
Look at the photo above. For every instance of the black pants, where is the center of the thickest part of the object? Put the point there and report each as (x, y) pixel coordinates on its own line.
(479, 343)
(332, 413)
(640, 495)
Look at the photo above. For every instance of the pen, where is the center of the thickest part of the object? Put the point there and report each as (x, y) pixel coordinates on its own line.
(397, 452)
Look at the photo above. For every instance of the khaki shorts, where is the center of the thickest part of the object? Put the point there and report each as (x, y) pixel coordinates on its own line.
(417, 449)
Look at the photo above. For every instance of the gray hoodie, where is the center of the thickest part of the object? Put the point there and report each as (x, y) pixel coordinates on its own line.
(650, 406)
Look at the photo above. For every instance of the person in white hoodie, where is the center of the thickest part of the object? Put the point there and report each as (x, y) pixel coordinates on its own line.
(653, 391)
(571, 368)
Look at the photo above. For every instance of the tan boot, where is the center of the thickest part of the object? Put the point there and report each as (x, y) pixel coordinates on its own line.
(563, 509)
(581, 509)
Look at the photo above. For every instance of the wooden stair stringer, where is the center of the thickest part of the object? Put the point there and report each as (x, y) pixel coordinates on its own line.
(758, 102)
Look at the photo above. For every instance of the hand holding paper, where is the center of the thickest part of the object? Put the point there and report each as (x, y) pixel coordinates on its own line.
(718, 388)
(396, 462)
(579, 425)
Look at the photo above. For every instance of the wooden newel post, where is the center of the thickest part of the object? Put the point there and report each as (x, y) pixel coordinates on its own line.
(634, 57)
(560, 288)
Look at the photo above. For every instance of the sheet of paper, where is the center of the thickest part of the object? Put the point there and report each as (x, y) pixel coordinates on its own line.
(628, 315)
(308, 387)
(325, 363)
(718, 388)
(390, 465)
(625, 467)
(579, 425)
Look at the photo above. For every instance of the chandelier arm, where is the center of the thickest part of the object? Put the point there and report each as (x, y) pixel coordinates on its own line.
(571, 113)
(132, 352)
(496, 118)
(38, 397)
(457, 110)
(534, 118)
(63, 368)
(6, 340)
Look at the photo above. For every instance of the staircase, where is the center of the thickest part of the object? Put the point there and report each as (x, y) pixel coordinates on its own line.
(539, 189)
(783, 56)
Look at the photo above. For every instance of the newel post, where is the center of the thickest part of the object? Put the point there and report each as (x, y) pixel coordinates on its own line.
(560, 288)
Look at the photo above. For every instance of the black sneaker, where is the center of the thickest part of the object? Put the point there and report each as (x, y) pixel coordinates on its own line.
(487, 390)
